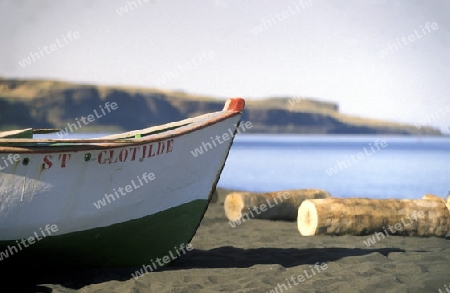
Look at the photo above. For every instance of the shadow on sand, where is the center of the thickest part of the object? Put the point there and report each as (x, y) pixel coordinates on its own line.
(33, 279)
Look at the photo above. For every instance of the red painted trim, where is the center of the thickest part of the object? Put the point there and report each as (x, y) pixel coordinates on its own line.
(235, 105)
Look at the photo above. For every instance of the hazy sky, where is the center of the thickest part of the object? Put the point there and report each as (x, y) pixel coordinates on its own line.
(329, 50)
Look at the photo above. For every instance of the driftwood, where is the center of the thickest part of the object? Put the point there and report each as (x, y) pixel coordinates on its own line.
(361, 216)
(435, 197)
(277, 205)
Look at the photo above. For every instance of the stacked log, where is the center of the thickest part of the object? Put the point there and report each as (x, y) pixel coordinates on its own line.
(362, 216)
(278, 205)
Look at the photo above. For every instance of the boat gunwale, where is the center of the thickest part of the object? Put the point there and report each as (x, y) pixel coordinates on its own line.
(233, 107)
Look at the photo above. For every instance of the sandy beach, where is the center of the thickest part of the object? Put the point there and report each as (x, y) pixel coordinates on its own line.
(263, 255)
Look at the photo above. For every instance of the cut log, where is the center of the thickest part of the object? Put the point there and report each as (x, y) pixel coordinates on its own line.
(362, 216)
(277, 205)
(433, 197)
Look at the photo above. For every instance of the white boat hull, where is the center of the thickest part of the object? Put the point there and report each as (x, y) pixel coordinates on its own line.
(91, 190)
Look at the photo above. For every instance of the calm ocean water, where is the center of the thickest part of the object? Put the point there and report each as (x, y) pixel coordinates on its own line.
(407, 167)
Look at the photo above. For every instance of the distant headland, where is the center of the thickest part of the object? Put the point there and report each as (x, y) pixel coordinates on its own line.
(55, 104)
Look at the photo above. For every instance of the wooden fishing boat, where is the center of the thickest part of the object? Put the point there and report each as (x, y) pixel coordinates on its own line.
(123, 200)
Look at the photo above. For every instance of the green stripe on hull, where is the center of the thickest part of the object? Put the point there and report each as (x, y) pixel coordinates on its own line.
(128, 244)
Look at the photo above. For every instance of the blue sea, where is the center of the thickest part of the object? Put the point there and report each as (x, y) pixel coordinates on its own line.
(400, 167)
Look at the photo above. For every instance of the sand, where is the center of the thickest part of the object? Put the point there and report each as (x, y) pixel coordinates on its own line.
(263, 255)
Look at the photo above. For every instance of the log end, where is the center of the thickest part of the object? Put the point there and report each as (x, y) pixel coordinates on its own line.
(429, 196)
(307, 220)
(233, 205)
